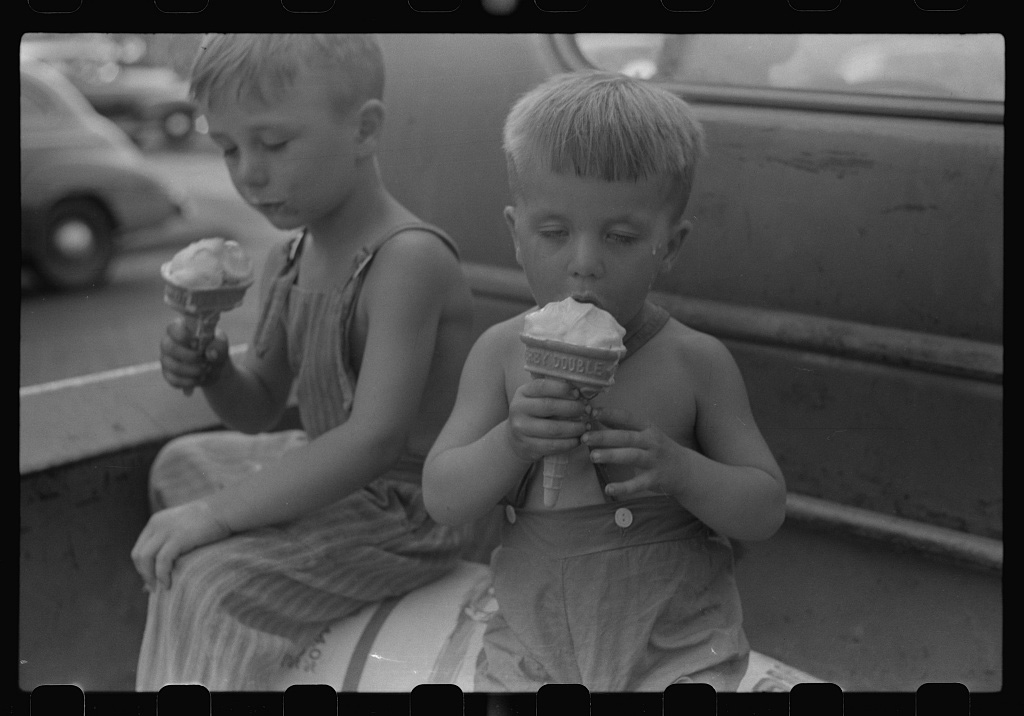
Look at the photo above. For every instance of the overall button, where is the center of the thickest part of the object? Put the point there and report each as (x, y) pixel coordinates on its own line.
(510, 513)
(623, 517)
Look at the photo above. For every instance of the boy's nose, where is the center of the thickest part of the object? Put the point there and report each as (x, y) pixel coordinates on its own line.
(586, 257)
(250, 171)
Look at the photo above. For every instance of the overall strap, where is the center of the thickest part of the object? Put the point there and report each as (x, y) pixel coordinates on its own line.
(362, 261)
(366, 254)
(277, 293)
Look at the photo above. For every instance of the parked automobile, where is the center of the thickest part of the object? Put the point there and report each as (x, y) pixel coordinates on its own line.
(84, 184)
(142, 100)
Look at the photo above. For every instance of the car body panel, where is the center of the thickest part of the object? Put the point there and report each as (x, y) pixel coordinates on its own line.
(70, 151)
(852, 261)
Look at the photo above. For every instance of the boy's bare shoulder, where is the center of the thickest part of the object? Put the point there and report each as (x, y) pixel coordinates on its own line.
(503, 337)
(693, 346)
(419, 247)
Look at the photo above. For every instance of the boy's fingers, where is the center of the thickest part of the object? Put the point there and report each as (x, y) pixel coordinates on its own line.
(607, 438)
(636, 457)
(627, 487)
(556, 447)
(619, 418)
(555, 408)
(550, 388)
(164, 562)
(171, 348)
(179, 332)
(545, 429)
(142, 557)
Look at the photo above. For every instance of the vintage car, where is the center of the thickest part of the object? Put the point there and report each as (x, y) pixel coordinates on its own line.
(848, 248)
(145, 101)
(84, 185)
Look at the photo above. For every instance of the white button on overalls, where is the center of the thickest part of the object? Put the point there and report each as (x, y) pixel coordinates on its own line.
(510, 513)
(623, 517)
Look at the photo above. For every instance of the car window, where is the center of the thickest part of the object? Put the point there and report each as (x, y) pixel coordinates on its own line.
(968, 67)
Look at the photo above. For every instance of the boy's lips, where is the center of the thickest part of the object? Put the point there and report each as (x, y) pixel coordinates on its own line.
(587, 298)
(269, 206)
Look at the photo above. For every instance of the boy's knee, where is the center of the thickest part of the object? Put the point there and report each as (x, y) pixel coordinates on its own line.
(178, 449)
(174, 460)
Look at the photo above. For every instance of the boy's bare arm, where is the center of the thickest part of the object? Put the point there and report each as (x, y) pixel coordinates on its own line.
(404, 295)
(472, 465)
(251, 397)
(735, 486)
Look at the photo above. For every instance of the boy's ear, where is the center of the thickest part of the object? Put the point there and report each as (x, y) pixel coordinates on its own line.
(369, 126)
(674, 244)
(510, 221)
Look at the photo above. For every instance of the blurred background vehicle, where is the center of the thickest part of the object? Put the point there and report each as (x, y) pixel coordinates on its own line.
(963, 67)
(84, 184)
(148, 101)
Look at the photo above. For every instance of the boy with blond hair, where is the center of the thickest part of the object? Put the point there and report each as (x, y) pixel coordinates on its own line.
(627, 583)
(259, 541)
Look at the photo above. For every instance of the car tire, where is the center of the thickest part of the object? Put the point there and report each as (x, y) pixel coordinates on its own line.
(76, 246)
(177, 126)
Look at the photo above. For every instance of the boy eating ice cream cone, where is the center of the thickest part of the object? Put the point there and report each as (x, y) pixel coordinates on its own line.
(627, 584)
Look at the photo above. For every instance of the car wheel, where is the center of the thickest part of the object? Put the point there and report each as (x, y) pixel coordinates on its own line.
(76, 247)
(177, 126)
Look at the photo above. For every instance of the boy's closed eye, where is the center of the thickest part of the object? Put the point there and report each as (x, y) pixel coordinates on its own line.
(620, 238)
(553, 233)
(273, 145)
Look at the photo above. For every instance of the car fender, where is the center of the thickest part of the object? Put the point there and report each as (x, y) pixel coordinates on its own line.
(132, 196)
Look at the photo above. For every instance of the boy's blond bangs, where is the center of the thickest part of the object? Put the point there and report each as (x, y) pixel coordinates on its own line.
(604, 126)
(261, 66)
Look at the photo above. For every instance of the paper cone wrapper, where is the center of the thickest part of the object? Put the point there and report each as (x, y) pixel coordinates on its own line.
(202, 300)
(589, 369)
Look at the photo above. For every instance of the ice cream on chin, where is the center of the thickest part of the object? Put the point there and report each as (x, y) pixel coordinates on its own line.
(578, 343)
(209, 263)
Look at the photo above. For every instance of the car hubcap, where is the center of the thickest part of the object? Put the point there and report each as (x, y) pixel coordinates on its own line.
(74, 239)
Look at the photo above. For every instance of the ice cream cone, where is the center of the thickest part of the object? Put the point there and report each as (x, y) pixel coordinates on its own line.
(590, 370)
(201, 307)
(555, 467)
(576, 342)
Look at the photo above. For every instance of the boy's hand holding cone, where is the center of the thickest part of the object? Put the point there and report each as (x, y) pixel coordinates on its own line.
(580, 344)
(203, 280)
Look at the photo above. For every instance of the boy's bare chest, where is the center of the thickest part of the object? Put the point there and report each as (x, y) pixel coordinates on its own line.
(657, 394)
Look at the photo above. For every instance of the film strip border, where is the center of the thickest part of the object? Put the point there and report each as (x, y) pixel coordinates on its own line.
(807, 699)
(527, 15)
